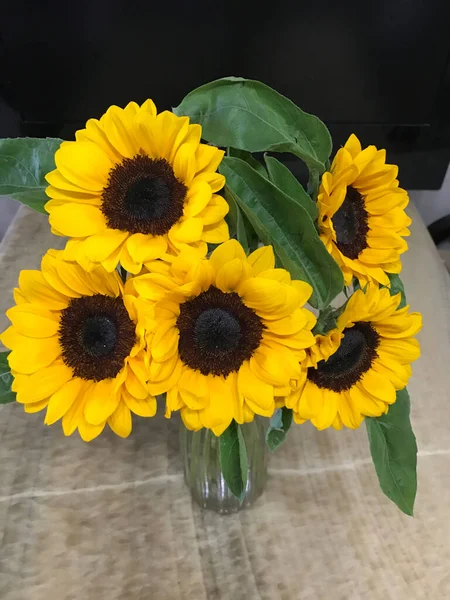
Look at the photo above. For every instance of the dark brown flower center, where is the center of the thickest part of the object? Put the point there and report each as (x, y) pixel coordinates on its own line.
(352, 359)
(217, 332)
(96, 335)
(351, 224)
(143, 196)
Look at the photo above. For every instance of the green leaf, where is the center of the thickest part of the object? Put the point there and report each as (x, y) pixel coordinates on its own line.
(396, 287)
(233, 460)
(240, 227)
(394, 453)
(248, 158)
(279, 220)
(23, 164)
(249, 115)
(283, 178)
(325, 321)
(6, 379)
(279, 426)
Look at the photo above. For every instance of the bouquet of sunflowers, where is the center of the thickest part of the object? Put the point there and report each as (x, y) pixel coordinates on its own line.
(200, 277)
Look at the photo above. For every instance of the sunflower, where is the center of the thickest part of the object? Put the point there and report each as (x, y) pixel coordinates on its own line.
(355, 370)
(228, 336)
(133, 186)
(361, 213)
(78, 348)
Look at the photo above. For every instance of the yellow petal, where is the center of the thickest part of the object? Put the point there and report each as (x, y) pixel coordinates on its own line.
(274, 364)
(164, 385)
(258, 394)
(216, 234)
(216, 181)
(269, 298)
(118, 124)
(74, 277)
(74, 414)
(100, 246)
(144, 248)
(34, 354)
(159, 371)
(62, 400)
(219, 411)
(89, 432)
(128, 263)
(35, 288)
(378, 386)
(208, 158)
(349, 415)
(34, 407)
(232, 274)
(142, 408)
(154, 286)
(33, 320)
(398, 326)
(193, 388)
(94, 132)
(184, 163)
(101, 402)
(19, 298)
(120, 420)
(225, 253)
(262, 259)
(43, 384)
(396, 373)
(365, 402)
(191, 419)
(403, 351)
(77, 220)
(289, 325)
(215, 211)
(197, 198)
(51, 275)
(187, 231)
(327, 414)
(139, 367)
(353, 145)
(84, 164)
(134, 386)
(165, 341)
(56, 180)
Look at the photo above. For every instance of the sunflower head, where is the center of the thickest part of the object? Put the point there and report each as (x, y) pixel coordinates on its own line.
(134, 186)
(361, 213)
(228, 334)
(356, 369)
(78, 348)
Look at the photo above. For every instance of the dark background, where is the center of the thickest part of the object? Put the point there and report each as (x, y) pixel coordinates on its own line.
(379, 68)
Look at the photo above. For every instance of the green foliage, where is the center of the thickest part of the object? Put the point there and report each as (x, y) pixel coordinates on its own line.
(233, 460)
(248, 115)
(240, 227)
(278, 427)
(394, 453)
(396, 287)
(248, 158)
(6, 379)
(284, 223)
(283, 178)
(23, 164)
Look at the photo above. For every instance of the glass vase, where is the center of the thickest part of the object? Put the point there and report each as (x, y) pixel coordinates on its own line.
(203, 474)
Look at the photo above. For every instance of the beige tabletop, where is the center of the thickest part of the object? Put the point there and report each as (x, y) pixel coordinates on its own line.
(113, 519)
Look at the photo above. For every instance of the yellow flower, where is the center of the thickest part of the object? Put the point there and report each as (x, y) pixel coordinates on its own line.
(361, 213)
(133, 186)
(78, 348)
(355, 370)
(228, 336)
